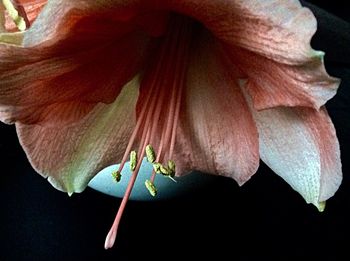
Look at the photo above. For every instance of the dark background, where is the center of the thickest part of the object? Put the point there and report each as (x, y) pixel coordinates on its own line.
(263, 219)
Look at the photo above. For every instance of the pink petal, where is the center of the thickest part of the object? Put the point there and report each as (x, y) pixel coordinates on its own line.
(32, 8)
(279, 30)
(97, 57)
(70, 155)
(217, 133)
(301, 146)
(273, 84)
(324, 134)
(103, 18)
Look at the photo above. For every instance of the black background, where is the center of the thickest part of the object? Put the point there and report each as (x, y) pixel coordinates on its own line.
(263, 219)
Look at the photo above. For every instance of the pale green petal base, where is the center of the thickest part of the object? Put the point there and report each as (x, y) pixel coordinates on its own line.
(166, 187)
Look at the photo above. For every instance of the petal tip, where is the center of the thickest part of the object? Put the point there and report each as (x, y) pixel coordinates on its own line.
(320, 206)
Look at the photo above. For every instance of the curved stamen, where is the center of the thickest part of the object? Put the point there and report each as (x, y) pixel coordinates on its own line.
(165, 78)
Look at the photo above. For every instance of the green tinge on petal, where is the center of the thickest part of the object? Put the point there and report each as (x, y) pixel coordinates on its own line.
(288, 148)
(321, 206)
(82, 166)
(70, 155)
(12, 38)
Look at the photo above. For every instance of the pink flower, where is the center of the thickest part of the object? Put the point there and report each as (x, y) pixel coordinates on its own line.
(213, 85)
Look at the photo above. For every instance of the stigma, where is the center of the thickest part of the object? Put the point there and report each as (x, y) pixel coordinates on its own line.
(161, 91)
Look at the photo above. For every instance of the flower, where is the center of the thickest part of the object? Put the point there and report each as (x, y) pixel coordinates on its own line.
(211, 85)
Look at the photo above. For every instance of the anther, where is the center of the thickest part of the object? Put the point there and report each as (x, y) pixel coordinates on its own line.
(171, 168)
(133, 160)
(151, 155)
(151, 187)
(156, 167)
(164, 170)
(116, 175)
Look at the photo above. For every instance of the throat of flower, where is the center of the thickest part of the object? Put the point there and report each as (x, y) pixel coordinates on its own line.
(158, 117)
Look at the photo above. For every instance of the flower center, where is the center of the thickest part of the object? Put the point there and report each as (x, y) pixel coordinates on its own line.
(158, 115)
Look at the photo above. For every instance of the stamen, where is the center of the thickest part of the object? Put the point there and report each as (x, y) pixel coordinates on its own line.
(151, 155)
(17, 18)
(180, 61)
(163, 83)
(22, 12)
(133, 160)
(164, 170)
(171, 168)
(116, 175)
(156, 167)
(151, 187)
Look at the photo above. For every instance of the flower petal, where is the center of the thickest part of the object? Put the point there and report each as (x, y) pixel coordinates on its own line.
(217, 133)
(273, 84)
(31, 8)
(11, 38)
(95, 59)
(324, 134)
(301, 146)
(104, 18)
(70, 155)
(279, 30)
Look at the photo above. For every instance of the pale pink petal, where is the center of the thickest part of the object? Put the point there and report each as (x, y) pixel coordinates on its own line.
(273, 84)
(97, 57)
(70, 155)
(324, 134)
(279, 30)
(112, 19)
(301, 146)
(217, 133)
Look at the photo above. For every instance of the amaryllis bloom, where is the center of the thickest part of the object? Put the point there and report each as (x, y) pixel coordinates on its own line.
(210, 85)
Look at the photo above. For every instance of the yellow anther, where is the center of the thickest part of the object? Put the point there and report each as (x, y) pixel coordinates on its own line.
(156, 167)
(13, 13)
(151, 155)
(151, 187)
(171, 168)
(133, 160)
(164, 170)
(116, 175)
